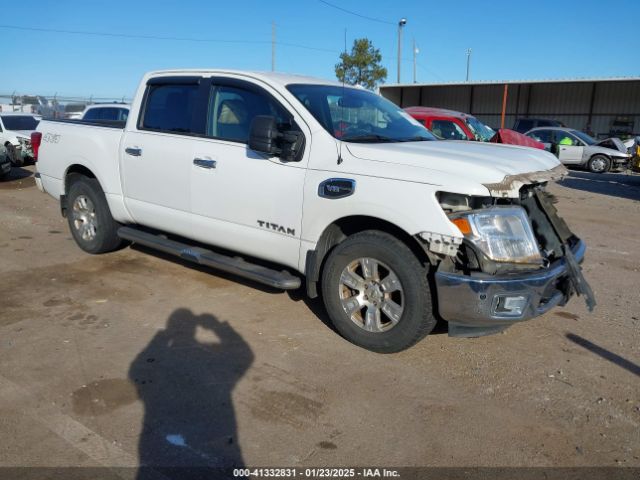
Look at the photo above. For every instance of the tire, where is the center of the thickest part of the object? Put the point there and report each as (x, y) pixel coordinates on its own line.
(90, 221)
(599, 164)
(342, 292)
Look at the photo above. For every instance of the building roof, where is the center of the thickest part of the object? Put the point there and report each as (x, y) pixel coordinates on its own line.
(511, 82)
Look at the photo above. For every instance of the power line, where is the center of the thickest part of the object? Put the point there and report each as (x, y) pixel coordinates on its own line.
(356, 14)
(155, 37)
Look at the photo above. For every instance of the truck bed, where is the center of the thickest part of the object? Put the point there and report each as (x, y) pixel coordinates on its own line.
(94, 123)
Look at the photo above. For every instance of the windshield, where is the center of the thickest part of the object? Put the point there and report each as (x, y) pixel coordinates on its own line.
(479, 129)
(355, 115)
(19, 122)
(584, 137)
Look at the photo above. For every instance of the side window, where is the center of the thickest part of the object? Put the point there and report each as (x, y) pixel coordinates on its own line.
(447, 130)
(232, 109)
(123, 114)
(560, 137)
(543, 136)
(169, 108)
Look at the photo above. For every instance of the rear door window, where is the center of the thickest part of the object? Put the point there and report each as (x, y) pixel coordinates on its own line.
(543, 136)
(170, 108)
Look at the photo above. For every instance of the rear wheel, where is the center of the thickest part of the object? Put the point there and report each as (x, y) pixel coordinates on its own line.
(598, 164)
(376, 292)
(90, 221)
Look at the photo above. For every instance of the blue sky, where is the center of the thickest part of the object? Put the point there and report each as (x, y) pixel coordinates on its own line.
(510, 39)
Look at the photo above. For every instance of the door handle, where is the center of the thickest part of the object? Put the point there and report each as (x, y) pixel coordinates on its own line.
(203, 163)
(133, 151)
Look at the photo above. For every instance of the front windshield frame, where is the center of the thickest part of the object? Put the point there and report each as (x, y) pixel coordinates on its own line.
(589, 140)
(19, 122)
(479, 129)
(357, 115)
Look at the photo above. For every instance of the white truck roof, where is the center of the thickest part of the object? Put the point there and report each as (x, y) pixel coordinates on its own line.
(282, 79)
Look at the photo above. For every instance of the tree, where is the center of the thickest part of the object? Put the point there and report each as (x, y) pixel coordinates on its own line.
(362, 65)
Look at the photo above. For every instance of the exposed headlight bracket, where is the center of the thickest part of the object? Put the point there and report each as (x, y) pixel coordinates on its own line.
(442, 244)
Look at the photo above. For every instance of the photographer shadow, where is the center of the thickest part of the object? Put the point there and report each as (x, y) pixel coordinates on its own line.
(186, 384)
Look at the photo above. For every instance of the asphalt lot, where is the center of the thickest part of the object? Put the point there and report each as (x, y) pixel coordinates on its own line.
(130, 358)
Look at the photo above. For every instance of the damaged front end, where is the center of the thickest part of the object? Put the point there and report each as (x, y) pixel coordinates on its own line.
(518, 259)
(21, 153)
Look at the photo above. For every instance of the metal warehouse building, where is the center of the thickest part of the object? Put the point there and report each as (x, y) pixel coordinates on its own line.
(602, 107)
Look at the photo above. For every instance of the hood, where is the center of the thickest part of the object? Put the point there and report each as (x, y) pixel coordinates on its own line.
(631, 142)
(503, 169)
(612, 143)
(611, 152)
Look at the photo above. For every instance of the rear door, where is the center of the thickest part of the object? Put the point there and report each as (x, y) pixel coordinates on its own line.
(245, 200)
(158, 151)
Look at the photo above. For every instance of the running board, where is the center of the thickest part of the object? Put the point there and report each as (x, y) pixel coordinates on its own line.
(237, 266)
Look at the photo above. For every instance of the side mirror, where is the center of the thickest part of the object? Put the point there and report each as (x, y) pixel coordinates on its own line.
(264, 134)
(267, 137)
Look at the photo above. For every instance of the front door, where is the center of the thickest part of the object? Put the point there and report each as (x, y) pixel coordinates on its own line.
(570, 149)
(245, 200)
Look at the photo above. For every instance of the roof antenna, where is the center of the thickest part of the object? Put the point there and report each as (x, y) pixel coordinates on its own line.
(344, 74)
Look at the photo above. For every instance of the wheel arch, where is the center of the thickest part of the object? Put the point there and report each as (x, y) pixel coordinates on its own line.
(342, 228)
(73, 169)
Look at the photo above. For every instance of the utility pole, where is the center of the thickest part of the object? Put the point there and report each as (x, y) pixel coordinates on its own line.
(273, 46)
(415, 53)
(401, 23)
(468, 62)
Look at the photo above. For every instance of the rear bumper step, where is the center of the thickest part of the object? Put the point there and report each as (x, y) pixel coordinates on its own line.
(237, 266)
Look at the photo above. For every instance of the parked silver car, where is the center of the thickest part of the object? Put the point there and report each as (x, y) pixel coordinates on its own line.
(576, 148)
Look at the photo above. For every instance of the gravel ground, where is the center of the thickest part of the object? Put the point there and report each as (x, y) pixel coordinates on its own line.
(131, 357)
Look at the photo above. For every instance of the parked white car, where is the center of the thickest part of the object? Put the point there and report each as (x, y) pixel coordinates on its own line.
(576, 148)
(106, 112)
(15, 136)
(305, 178)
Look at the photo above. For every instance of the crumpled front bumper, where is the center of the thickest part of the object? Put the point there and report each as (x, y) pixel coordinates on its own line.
(470, 303)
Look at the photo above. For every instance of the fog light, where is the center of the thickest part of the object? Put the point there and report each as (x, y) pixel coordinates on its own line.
(509, 305)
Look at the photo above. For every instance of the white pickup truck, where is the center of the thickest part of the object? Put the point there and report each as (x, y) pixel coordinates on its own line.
(280, 178)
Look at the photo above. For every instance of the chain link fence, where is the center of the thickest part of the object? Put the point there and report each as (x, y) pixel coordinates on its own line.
(56, 106)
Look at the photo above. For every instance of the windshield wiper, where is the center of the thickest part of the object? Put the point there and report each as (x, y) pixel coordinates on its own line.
(369, 138)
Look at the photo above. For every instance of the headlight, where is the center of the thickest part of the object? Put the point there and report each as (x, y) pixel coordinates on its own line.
(503, 234)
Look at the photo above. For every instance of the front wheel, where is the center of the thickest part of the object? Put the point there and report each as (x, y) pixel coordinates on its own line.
(598, 164)
(376, 292)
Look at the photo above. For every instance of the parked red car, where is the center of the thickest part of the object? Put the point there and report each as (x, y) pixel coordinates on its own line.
(452, 125)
